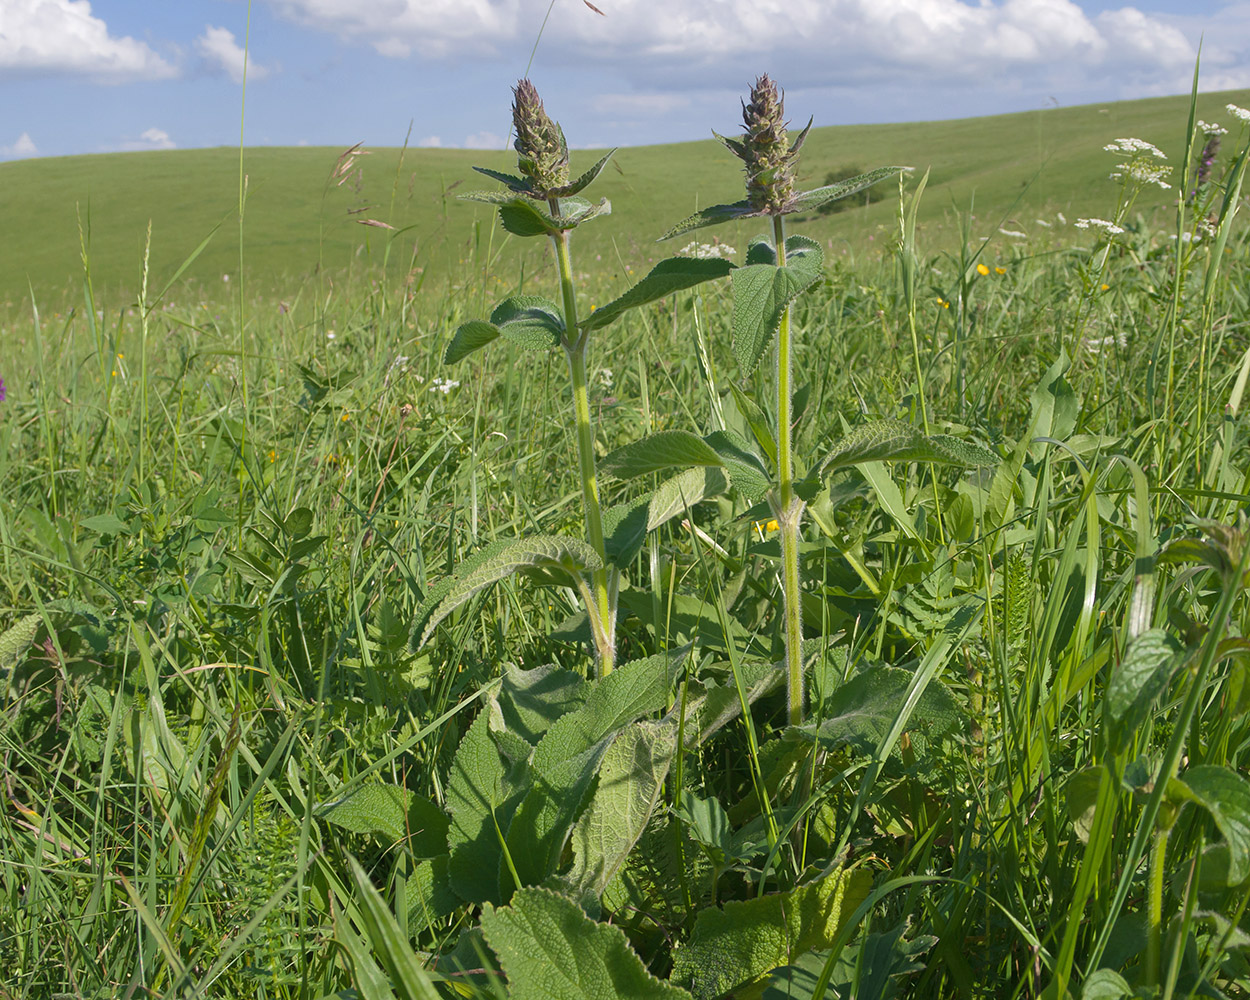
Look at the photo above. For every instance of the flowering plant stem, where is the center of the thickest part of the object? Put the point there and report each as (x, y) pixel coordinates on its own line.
(789, 506)
(599, 606)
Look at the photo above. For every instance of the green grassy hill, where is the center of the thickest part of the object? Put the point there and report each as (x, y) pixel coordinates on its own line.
(297, 218)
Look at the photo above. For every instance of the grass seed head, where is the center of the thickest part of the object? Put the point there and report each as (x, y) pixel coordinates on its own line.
(542, 153)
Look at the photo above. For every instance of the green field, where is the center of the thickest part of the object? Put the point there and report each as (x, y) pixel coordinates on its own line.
(297, 220)
(304, 686)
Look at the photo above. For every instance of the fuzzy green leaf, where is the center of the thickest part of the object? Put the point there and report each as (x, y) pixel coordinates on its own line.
(668, 276)
(631, 780)
(713, 216)
(515, 184)
(809, 201)
(660, 451)
(483, 791)
(585, 179)
(18, 637)
(627, 525)
(763, 291)
(408, 976)
(761, 251)
(746, 471)
(521, 218)
(861, 711)
(1105, 984)
(1136, 684)
(531, 321)
(542, 555)
(567, 758)
(395, 813)
(469, 337)
(430, 896)
(1225, 794)
(894, 440)
(747, 939)
(550, 950)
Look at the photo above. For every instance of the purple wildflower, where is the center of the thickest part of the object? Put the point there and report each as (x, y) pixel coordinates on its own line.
(1, 390)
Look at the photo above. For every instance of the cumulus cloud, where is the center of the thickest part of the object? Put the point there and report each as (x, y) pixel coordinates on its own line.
(153, 138)
(825, 43)
(430, 142)
(63, 36)
(22, 148)
(483, 140)
(220, 50)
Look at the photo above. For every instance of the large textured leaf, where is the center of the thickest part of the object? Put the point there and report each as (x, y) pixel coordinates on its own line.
(1137, 683)
(1225, 794)
(567, 759)
(660, 451)
(430, 896)
(668, 276)
(515, 184)
(713, 216)
(810, 200)
(894, 440)
(631, 780)
(748, 939)
(531, 321)
(550, 950)
(746, 471)
(483, 791)
(763, 291)
(408, 976)
(18, 637)
(545, 554)
(862, 710)
(395, 813)
(531, 701)
(627, 525)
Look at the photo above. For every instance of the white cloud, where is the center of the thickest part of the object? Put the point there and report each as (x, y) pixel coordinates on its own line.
(219, 49)
(153, 138)
(24, 147)
(809, 43)
(483, 140)
(430, 142)
(62, 36)
(638, 105)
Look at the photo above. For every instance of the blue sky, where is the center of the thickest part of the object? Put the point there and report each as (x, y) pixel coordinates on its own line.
(108, 75)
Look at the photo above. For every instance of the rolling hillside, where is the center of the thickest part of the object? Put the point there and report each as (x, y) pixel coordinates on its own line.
(298, 219)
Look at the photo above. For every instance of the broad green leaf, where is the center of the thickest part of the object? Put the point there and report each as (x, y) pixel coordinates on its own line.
(1225, 794)
(757, 421)
(586, 178)
(521, 218)
(761, 251)
(548, 555)
(660, 451)
(430, 896)
(395, 813)
(408, 976)
(1080, 793)
(550, 950)
(517, 185)
(894, 440)
(1136, 684)
(763, 291)
(668, 276)
(746, 471)
(713, 216)
(531, 701)
(531, 321)
(1105, 984)
(483, 791)
(468, 338)
(809, 201)
(106, 524)
(568, 756)
(627, 525)
(747, 939)
(631, 781)
(18, 637)
(862, 710)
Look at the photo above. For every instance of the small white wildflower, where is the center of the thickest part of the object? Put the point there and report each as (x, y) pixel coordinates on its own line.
(1014, 234)
(443, 385)
(1211, 128)
(1096, 345)
(1042, 222)
(1143, 172)
(225, 277)
(1134, 146)
(605, 377)
(1061, 217)
(329, 335)
(706, 251)
(1241, 114)
(1206, 228)
(1109, 227)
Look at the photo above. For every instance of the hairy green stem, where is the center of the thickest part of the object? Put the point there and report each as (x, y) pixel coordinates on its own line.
(599, 607)
(1154, 915)
(789, 507)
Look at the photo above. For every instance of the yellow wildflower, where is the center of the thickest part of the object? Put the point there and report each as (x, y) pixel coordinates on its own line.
(982, 270)
(1000, 270)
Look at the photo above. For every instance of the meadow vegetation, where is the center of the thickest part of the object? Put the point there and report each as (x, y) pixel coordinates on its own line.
(913, 664)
